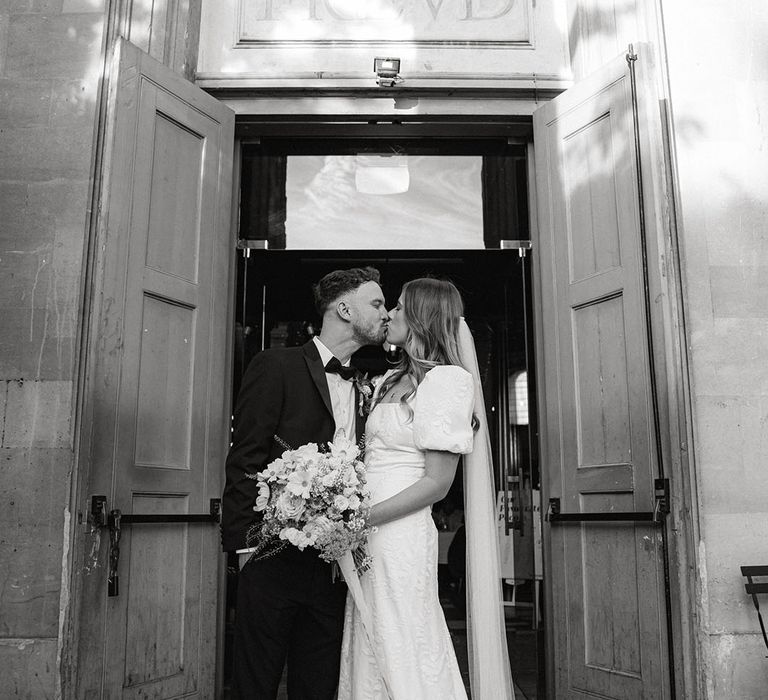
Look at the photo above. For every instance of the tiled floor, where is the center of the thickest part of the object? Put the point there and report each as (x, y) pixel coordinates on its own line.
(522, 643)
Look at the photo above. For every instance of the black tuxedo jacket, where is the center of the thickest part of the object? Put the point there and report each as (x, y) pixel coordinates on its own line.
(284, 393)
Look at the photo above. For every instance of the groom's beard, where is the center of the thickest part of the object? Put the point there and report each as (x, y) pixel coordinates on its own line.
(372, 334)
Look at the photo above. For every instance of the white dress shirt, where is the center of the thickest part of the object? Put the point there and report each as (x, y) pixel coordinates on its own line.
(342, 393)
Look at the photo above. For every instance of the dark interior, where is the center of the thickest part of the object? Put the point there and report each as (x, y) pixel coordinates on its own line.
(275, 308)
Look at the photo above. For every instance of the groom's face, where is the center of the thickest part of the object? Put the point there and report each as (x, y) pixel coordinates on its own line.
(368, 314)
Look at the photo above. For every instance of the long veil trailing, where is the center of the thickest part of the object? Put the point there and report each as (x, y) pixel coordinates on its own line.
(489, 670)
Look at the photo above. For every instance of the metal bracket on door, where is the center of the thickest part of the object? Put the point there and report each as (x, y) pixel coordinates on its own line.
(249, 244)
(657, 515)
(97, 515)
(116, 519)
(522, 247)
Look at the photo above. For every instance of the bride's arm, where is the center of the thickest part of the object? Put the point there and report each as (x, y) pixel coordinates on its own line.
(439, 471)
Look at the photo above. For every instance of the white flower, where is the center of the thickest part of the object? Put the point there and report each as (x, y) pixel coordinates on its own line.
(306, 537)
(289, 506)
(306, 453)
(354, 501)
(294, 536)
(330, 478)
(341, 502)
(335, 462)
(310, 535)
(299, 483)
(318, 526)
(263, 498)
(343, 448)
(274, 470)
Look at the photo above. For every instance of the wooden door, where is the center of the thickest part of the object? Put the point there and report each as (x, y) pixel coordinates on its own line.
(607, 615)
(158, 384)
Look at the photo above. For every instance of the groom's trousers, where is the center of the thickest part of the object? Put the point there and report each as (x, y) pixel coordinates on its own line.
(288, 609)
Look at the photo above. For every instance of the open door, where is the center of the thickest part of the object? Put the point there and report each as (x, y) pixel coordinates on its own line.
(157, 389)
(600, 433)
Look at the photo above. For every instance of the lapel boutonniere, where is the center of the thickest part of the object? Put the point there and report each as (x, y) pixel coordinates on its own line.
(364, 394)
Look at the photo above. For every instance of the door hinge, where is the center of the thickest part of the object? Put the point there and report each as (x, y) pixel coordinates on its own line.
(661, 493)
(97, 513)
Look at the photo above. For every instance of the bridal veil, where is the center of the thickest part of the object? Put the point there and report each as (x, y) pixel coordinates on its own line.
(489, 669)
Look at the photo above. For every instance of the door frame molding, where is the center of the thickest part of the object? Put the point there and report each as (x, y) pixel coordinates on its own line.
(670, 350)
(493, 113)
(510, 118)
(76, 524)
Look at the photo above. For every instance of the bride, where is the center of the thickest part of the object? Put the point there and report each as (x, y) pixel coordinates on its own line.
(426, 412)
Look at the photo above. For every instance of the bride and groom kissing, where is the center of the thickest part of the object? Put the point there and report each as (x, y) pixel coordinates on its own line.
(424, 413)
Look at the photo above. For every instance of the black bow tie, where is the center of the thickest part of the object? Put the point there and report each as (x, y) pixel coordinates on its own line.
(333, 366)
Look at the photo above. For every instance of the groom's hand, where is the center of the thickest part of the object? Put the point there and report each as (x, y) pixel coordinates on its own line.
(242, 559)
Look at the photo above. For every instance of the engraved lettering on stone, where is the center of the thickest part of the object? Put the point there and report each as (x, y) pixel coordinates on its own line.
(389, 20)
(435, 9)
(354, 10)
(472, 5)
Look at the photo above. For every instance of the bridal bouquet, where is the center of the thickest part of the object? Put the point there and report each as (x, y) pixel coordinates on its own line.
(314, 498)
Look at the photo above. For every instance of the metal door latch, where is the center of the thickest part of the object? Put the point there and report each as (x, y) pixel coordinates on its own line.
(657, 515)
(115, 519)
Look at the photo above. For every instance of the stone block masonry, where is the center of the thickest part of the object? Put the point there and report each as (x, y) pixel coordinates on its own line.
(50, 61)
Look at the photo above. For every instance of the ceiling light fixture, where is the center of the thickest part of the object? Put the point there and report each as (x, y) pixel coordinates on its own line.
(382, 174)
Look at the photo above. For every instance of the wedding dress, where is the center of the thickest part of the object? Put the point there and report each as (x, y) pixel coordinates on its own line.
(412, 643)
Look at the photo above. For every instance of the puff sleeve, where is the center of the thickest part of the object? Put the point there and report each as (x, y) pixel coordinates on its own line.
(442, 410)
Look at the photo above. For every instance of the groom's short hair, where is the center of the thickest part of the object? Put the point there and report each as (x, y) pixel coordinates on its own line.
(337, 283)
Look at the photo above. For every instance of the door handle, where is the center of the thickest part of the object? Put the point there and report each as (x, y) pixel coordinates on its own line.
(657, 515)
(115, 519)
(99, 517)
(213, 516)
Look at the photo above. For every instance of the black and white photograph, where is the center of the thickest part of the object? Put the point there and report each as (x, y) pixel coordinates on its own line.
(383, 349)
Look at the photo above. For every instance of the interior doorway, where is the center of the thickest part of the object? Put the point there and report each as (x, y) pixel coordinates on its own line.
(302, 215)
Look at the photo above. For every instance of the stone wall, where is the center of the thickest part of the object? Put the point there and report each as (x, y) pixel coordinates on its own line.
(51, 54)
(718, 71)
(49, 66)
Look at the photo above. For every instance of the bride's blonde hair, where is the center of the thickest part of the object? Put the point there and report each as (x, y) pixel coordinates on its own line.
(433, 309)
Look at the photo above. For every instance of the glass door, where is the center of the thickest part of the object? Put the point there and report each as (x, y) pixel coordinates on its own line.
(412, 215)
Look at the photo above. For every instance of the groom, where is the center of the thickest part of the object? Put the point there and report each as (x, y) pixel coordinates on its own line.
(288, 608)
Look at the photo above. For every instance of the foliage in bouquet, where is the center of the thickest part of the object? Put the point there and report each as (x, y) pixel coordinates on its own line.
(317, 498)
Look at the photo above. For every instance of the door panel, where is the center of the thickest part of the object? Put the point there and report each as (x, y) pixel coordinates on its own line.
(159, 382)
(598, 441)
(157, 574)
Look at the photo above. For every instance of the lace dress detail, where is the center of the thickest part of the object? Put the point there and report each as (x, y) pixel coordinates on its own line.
(411, 635)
